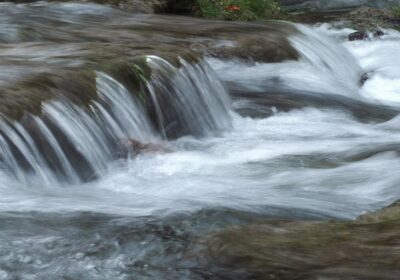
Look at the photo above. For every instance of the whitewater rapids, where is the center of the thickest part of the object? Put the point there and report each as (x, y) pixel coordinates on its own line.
(299, 139)
(309, 159)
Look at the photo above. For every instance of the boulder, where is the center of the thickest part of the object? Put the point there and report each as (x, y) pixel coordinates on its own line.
(367, 248)
(358, 36)
(362, 35)
(181, 7)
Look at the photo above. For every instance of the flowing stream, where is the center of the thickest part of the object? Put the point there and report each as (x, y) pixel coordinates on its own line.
(230, 138)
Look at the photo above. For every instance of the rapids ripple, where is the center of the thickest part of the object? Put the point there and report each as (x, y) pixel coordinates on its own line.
(262, 121)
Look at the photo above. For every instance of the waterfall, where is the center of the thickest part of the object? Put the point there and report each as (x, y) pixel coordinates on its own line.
(325, 67)
(328, 66)
(199, 101)
(72, 143)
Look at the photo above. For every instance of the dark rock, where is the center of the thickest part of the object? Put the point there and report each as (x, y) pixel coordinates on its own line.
(133, 146)
(378, 33)
(263, 104)
(257, 49)
(363, 79)
(361, 18)
(367, 248)
(366, 18)
(362, 35)
(260, 43)
(358, 36)
(183, 7)
(180, 7)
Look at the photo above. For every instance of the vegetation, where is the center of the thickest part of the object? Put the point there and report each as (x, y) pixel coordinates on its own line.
(240, 9)
(396, 11)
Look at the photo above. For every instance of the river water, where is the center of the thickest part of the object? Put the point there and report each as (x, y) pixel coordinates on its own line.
(300, 139)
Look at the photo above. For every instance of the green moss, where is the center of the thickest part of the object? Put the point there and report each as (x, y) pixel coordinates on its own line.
(28, 95)
(245, 10)
(396, 11)
(133, 74)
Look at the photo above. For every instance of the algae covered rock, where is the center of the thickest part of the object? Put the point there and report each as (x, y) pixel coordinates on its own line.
(368, 248)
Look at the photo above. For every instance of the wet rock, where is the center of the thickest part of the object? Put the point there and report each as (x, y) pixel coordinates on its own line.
(259, 43)
(79, 163)
(24, 101)
(387, 214)
(358, 36)
(257, 49)
(62, 64)
(323, 5)
(359, 18)
(363, 79)
(264, 104)
(366, 18)
(27, 95)
(133, 146)
(378, 33)
(183, 7)
(362, 35)
(157, 105)
(367, 248)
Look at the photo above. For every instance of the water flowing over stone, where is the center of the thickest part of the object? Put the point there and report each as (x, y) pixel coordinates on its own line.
(194, 95)
(140, 146)
(73, 143)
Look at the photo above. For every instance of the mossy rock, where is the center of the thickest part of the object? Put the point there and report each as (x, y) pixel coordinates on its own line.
(262, 42)
(360, 18)
(158, 102)
(368, 248)
(28, 95)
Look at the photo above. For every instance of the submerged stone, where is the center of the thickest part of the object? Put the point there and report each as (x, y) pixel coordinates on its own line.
(367, 248)
(133, 146)
(264, 104)
(255, 42)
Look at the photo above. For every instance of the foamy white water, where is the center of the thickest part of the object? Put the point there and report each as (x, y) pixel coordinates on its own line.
(319, 160)
(306, 159)
(210, 143)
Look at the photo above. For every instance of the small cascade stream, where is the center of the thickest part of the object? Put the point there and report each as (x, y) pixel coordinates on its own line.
(125, 138)
(73, 144)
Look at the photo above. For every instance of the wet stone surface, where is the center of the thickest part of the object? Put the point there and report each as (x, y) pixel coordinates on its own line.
(137, 146)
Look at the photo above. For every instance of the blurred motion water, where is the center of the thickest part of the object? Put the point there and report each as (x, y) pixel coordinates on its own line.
(244, 138)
